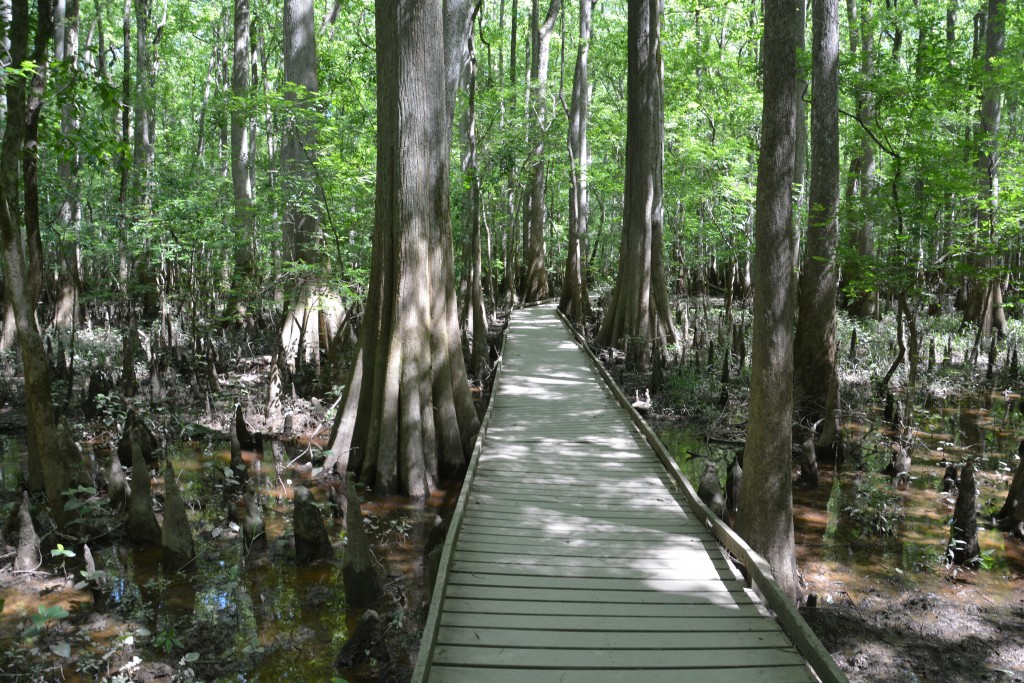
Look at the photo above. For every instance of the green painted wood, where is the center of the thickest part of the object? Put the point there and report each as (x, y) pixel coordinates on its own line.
(544, 539)
(637, 551)
(537, 658)
(502, 520)
(457, 674)
(582, 528)
(576, 556)
(591, 640)
(726, 625)
(700, 570)
(611, 610)
(569, 584)
(599, 597)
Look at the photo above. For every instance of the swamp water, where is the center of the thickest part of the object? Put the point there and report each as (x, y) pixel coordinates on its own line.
(857, 534)
(227, 617)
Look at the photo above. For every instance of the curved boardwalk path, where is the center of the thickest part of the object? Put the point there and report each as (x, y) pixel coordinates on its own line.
(572, 555)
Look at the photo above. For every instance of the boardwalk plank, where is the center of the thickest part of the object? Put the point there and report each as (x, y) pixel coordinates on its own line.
(601, 597)
(700, 570)
(568, 584)
(608, 640)
(637, 551)
(455, 674)
(577, 623)
(538, 658)
(544, 539)
(589, 609)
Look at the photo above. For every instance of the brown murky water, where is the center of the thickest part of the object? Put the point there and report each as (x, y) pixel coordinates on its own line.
(247, 618)
(856, 534)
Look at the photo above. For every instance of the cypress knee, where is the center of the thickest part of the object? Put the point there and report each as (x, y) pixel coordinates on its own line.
(964, 548)
(312, 542)
(142, 525)
(710, 490)
(362, 584)
(28, 557)
(176, 537)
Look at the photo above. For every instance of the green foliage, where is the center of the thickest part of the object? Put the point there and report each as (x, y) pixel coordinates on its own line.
(61, 551)
(87, 503)
(167, 640)
(875, 508)
(42, 619)
(691, 390)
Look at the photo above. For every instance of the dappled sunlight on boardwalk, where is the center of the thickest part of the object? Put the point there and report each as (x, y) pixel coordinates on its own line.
(576, 559)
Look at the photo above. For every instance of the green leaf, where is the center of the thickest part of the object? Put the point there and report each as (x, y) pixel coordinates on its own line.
(55, 612)
(61, 649)
(191, 657)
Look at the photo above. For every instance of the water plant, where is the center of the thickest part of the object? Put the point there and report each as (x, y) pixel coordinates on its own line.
(43, 618)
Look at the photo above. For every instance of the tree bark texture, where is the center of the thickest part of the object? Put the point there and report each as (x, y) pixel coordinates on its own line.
(815, 342)
(575, 302)
(639, 303)
(765, 517)
(535, 285)
(407, 415)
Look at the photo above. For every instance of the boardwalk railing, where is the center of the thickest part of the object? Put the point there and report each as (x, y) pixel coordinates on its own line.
(575, 554)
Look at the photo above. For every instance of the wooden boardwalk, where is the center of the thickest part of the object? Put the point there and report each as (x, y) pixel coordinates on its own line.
(573, 555)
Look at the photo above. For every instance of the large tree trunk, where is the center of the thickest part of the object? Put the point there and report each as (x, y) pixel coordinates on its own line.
(407, 416)
(535, 286)
(639, 304)
(575, 303)
(815, 343)
(985, 301)
(765, 516)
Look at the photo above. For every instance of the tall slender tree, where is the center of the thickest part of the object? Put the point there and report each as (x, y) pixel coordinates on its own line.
(639, 303)
(765, 517)
(535, 284)
(407, 416)
(862, 166)
(65, 312)
(815, 343)
(476, 311)
(303, 235)
(243, 221)
(985, 303)
(575, 303)
(49, 469)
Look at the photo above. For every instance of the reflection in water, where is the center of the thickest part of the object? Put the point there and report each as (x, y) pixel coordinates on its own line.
(257, 618)
(856, 534)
